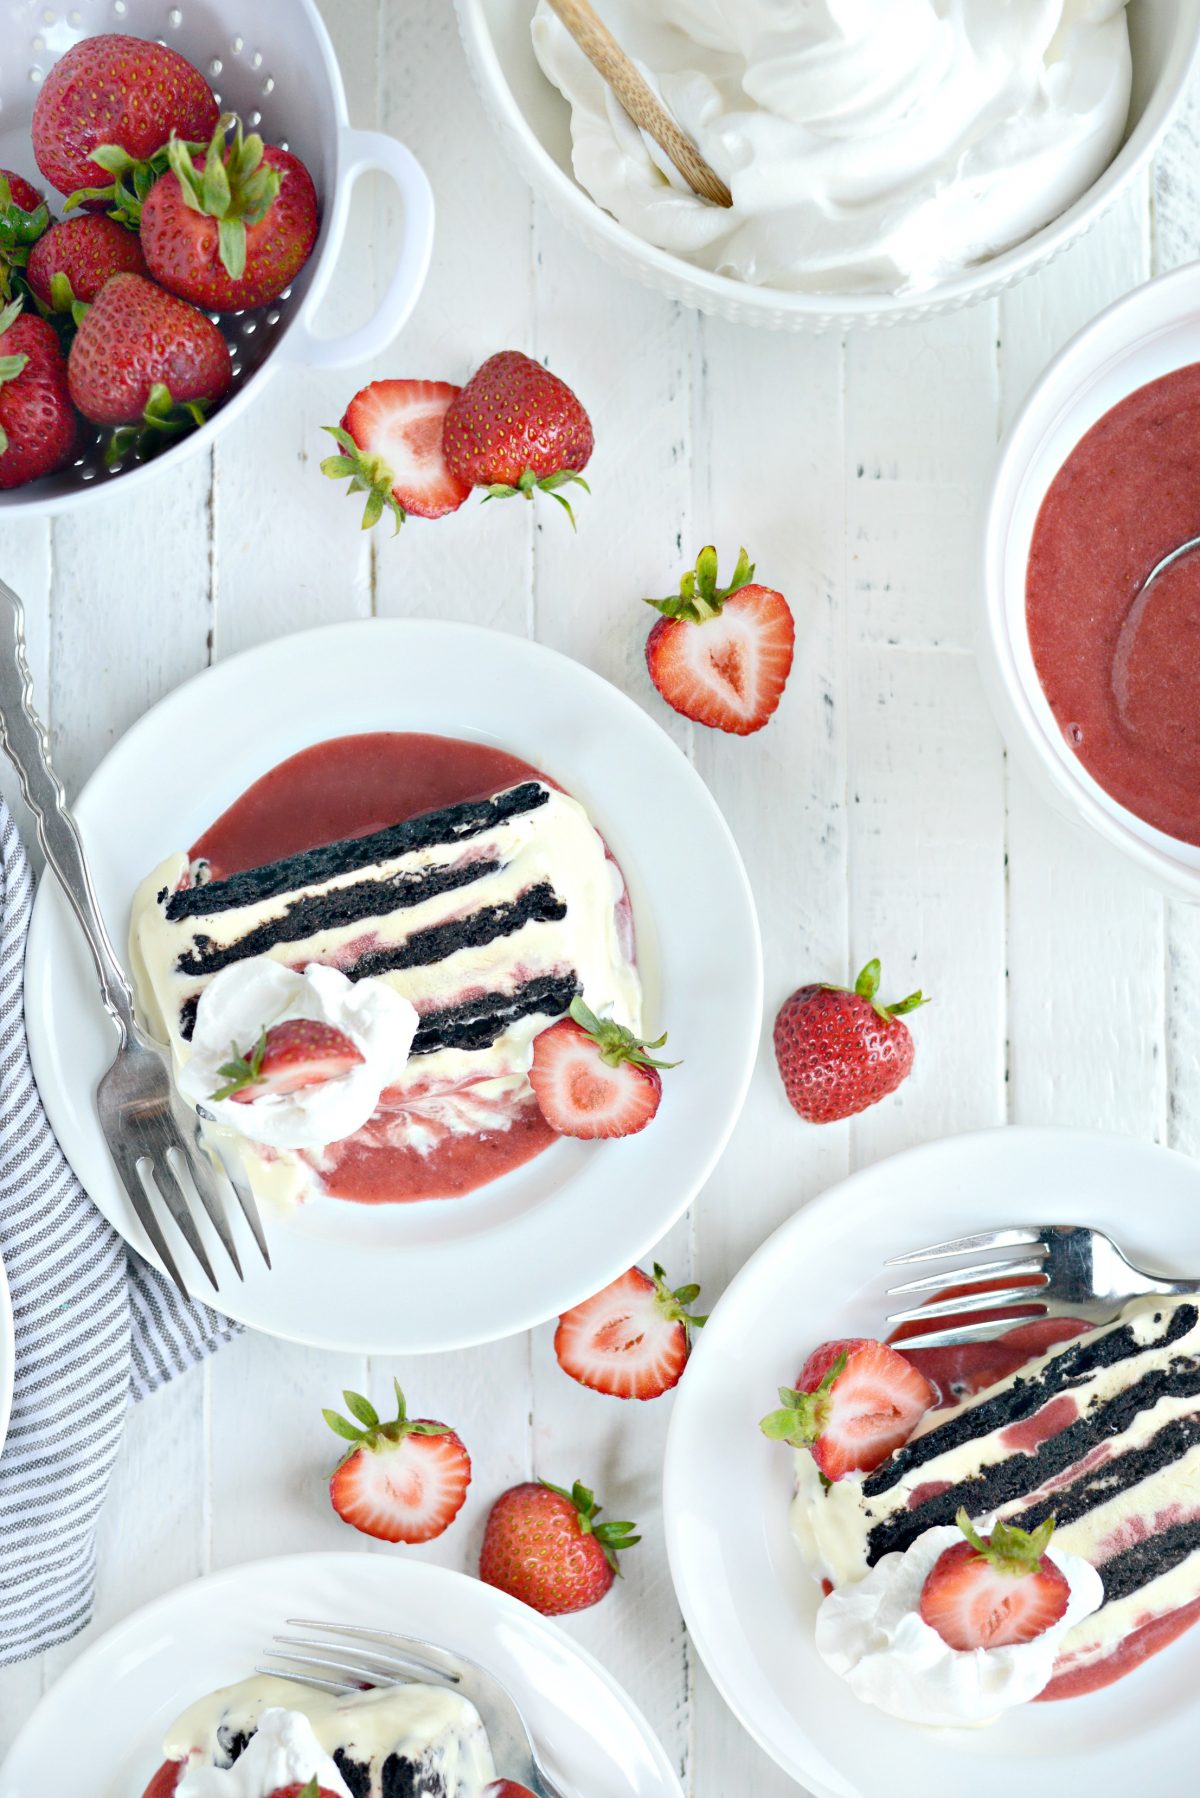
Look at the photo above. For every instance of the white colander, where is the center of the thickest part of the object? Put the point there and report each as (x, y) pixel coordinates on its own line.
(273, 64)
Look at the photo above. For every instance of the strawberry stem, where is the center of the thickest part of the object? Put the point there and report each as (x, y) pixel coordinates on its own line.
(1009, 1549)
(804, 1414)
(241, 1071)
(233, 186)
(674, 1305)
(615, 1043)
(163, 420)
(699, 597)
(867, 987)
(369, 1431)
(368, 474)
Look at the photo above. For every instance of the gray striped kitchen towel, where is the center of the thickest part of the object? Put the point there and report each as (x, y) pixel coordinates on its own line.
(95, 1328)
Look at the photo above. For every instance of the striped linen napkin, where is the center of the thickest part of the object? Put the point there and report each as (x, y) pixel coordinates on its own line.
(95, 1328)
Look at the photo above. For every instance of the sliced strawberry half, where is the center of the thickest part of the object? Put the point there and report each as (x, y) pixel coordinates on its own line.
(631, 1340)
(391, 442)
(855, 1403)
(298, 1052)
(593, 1078)
(995, 1591)
(402, 1481)
(722, 655)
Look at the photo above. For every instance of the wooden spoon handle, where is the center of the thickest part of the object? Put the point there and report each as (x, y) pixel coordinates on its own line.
(606, 55)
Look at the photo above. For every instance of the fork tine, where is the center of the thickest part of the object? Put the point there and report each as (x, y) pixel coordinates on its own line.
(377, 1642)
(337, 1686)
(126, 1164)
(191, 1167)
(961, 1276)
(388, 1659)
(978, 1332)
(245, 1199)
(377, 1673)
(1017, 1237)
(174, 1198)
(971, 1302)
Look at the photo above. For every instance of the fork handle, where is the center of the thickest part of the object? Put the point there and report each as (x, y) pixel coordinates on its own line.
(25, 742)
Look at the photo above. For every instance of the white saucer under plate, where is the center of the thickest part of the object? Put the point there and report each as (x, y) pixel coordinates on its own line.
(396, 1279)
(8, 1355)
(99, 1730)
(747, 1598)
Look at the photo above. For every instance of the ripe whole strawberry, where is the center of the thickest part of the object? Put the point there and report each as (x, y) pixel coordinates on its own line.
(995, 1591)
(292, 1055)
(233, 228)
(542, 1544)
(144, 358)
(391, 450)
(516, 428)
(631, 1339)
(839, 1051)
(855, 1403)
(401, 1481)
(722, 655)
(115, 90)
(38, 427)
(593, 1078)
(82, 252)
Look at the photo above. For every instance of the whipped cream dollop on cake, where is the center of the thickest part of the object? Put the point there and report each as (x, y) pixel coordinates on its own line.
(872, 1633)
(485, 917)
(398, 1739)
(1102, 1433)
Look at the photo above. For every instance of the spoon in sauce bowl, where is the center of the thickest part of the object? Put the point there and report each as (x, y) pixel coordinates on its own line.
(1150, 690)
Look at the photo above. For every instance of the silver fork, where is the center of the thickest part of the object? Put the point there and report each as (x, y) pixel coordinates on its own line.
(152, 1137)
(379, 1657)
(1080, 1273)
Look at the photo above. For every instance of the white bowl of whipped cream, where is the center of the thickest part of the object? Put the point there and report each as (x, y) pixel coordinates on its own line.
(887, 158)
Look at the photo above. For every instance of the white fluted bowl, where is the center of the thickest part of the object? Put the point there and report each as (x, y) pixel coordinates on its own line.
(533, 122)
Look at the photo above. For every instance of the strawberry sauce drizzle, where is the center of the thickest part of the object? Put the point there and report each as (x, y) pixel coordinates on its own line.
(349, 787)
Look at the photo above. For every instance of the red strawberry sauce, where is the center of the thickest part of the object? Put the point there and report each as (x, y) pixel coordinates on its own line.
(963, 1369)
(347, 787)
(1123, 676)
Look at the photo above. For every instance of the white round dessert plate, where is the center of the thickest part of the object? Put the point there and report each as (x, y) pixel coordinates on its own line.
(750, 1603)
(435, 1275)
(99, 1729)
(8, 1355)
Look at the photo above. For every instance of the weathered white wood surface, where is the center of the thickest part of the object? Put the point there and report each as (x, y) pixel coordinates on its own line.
(877, 814)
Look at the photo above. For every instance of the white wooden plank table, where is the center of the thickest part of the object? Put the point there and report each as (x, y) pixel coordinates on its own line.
(877, 814)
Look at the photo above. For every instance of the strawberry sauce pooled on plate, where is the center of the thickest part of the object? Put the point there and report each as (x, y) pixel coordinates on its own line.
(435, 902)
(1119, 661)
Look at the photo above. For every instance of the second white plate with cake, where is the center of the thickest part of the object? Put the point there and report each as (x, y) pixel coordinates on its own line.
(473, 918)
(749, 1598)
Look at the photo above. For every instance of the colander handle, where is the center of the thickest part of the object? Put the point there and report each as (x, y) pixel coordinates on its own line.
(359, 152)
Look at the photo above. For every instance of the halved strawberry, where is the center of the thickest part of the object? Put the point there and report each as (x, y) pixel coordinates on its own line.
(631, 1340)
(403, 1481)
(593, 1078)
(722, 655)
(995, 1591)
(296, 1053)
(391, 438)
(856, 1401)
(295, 1790)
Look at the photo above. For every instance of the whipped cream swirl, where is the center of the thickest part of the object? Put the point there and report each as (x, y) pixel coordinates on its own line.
(873, 1634)
(250, 996)
(870, 145)
(282, 1752)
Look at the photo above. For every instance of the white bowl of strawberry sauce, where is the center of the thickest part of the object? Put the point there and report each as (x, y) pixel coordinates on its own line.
(1098, 480)
(275, 66)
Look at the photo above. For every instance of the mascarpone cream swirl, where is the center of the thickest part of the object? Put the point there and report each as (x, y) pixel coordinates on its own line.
(874, 1636)
(870, 145)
